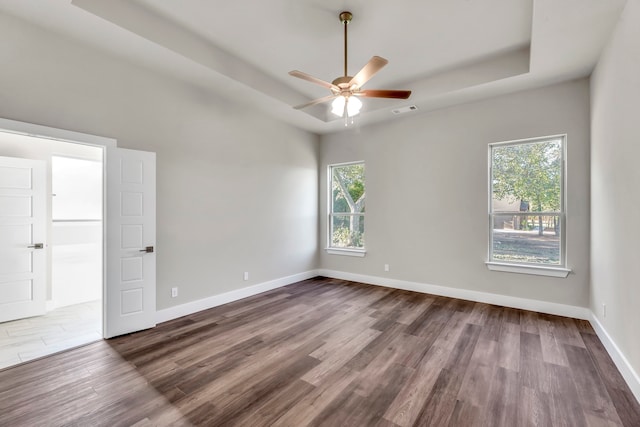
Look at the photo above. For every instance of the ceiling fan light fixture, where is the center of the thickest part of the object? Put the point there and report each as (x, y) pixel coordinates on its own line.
(353, 106)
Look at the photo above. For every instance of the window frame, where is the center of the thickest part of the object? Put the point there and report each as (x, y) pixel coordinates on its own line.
(559, 270)
(333, 250)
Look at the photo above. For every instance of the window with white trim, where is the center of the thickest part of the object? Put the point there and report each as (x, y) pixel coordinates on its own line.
(346, 206)
(526, 206)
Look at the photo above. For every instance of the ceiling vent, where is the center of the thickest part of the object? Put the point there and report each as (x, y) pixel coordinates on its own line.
(403, 110)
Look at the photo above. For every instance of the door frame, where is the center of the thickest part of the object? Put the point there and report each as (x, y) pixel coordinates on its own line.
(45, 132)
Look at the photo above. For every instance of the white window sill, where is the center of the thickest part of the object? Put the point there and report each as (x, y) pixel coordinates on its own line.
(347, 252)
(529, 269)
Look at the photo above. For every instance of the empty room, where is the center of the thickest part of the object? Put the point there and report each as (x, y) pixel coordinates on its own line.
(305, 213)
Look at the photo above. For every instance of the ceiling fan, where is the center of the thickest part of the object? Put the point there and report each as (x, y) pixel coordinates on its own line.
(345, 90)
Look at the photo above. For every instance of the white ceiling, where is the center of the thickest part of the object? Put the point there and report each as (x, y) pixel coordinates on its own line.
(445, 51)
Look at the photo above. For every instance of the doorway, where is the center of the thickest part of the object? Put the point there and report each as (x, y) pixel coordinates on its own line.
(73, 250)
(128, 231)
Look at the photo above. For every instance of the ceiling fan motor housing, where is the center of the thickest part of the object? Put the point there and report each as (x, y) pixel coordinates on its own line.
(342, 82)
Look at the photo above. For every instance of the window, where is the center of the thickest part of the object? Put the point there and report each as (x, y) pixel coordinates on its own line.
(346, 207)
(526, 210)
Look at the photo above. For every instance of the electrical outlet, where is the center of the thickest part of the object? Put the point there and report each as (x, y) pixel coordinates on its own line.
(246, 275)
(604, 310)
(386, 267)
(174, 292)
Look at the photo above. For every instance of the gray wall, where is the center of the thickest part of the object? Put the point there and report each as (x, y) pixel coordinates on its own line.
(236, 190)
(426, 179)
(615, 175)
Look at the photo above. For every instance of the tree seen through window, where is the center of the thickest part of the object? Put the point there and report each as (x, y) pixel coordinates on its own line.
(526, 201)
(347, 206)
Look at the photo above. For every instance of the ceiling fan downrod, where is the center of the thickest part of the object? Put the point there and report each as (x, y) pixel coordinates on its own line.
(345, 18)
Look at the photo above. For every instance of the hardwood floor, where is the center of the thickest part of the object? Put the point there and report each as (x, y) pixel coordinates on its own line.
(326, 352)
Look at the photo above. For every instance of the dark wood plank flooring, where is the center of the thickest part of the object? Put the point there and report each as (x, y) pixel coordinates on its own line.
(327, 352)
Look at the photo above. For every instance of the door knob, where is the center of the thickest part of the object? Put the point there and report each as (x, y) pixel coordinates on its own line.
(148, 249)
(36, 246)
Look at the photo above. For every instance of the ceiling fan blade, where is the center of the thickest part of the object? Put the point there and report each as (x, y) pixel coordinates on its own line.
(310, 78)
(374, 65)
(316, 101)
(381, 93)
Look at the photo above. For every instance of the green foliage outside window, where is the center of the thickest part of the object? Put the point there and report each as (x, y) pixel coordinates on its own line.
(526, 202)
(530, 173)
(347, 206)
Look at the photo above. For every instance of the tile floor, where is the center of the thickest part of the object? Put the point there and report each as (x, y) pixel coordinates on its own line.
(61, 329)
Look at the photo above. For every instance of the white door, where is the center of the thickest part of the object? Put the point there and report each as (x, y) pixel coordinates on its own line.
(130, 291)
(23, 260)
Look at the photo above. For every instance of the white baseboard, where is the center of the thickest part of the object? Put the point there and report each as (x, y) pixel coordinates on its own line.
(174, 312)
(623, 365)
(466, 294)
